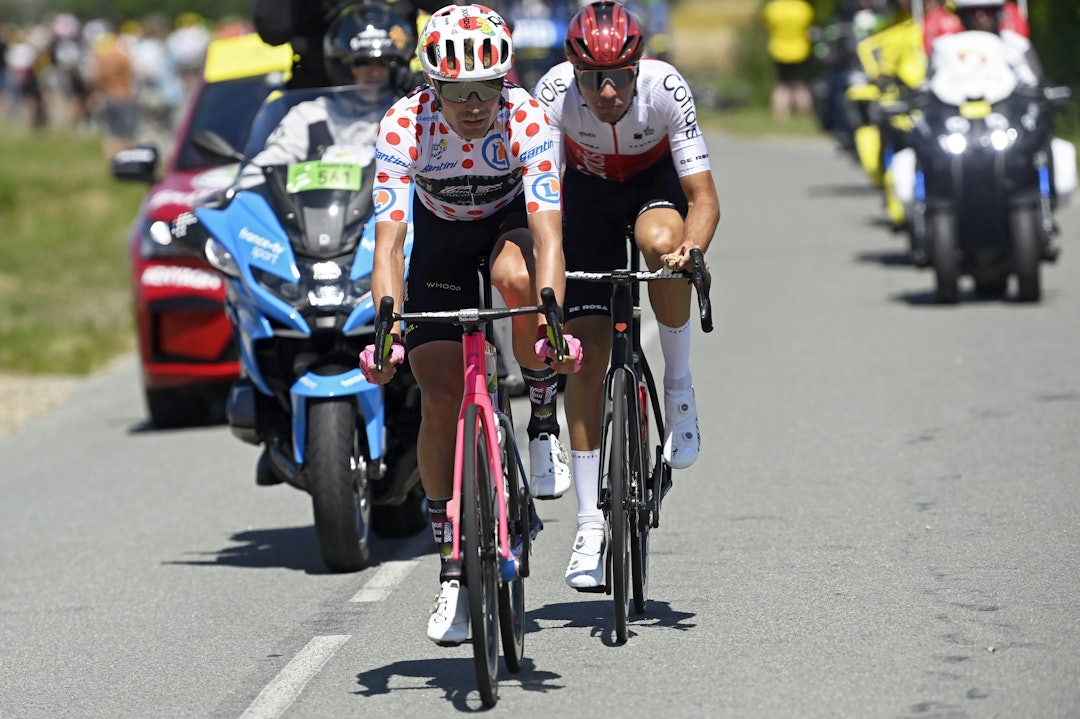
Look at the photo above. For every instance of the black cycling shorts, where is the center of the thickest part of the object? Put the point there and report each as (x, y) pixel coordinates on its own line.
(443, 272)
(596, 213)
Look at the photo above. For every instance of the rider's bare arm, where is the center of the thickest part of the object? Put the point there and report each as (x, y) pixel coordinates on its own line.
(701, 219)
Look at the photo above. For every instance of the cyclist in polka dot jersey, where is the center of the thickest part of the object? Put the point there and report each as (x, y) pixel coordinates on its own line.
(472, 156)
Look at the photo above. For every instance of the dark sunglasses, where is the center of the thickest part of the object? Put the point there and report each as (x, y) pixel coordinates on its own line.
(486, 90)
(595, 79)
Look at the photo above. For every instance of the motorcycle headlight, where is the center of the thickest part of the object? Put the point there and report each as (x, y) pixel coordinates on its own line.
(954, 143)
(1002, 139)
(220, 258)
(286, 290)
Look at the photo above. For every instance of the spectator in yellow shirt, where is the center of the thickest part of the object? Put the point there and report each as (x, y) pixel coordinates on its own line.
(788, 23)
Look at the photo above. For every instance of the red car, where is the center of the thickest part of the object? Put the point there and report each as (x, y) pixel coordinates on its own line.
(188, 357)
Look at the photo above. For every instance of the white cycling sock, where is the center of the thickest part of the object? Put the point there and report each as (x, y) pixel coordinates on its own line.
(586, 468)
(675, 346)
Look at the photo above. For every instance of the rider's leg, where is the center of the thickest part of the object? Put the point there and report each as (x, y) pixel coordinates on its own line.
(658, 231)
(584, 409)
(512, 275)
(437, 368)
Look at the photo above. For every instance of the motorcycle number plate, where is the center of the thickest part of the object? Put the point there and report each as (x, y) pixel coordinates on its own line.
(315, 175)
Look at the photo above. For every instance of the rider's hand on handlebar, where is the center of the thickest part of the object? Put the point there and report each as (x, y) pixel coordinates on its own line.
(367, 363)
(546, 351)
(679, 259)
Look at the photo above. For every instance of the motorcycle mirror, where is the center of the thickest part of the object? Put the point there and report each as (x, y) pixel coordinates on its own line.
(1057, 95)
(215, 147)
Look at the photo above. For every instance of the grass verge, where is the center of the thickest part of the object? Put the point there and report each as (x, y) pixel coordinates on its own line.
(64, 288)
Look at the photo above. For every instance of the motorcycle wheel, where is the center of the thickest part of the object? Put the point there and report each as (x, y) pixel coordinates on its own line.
(397, 521)
(342, 513)
(1026, 253)
(944, 247)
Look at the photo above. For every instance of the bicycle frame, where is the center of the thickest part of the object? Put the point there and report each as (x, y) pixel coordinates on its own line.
(473, 354)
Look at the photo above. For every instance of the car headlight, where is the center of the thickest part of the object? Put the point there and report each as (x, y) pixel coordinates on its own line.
(285, 289)
(220, 258)
(149, 247)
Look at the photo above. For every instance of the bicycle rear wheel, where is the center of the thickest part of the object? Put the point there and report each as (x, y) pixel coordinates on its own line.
(512, 592)
(481, 561)
(618, 478)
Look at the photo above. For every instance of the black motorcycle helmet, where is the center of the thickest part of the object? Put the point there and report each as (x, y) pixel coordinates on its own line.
(368, 31)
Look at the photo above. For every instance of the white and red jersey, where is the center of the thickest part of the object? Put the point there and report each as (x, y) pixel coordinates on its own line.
(459, 179)
(660, 122)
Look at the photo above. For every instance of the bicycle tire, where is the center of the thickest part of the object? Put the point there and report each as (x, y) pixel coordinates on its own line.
(512, 592)
(481, 560)
(618, 476)
(642, 522)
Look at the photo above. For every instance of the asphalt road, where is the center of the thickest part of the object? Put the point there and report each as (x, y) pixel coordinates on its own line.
(883, 522)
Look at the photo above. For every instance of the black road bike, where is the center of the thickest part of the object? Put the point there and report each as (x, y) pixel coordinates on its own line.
(632, 482)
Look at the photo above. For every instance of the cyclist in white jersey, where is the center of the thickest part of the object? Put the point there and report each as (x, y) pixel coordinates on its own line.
(473, 155)
(626, 133)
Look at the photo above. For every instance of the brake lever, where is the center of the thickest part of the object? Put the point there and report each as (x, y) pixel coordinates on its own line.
(553, 314)
(701, 278)
(383, 338)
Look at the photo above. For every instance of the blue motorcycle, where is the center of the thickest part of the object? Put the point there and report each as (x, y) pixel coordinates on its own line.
(296, 251)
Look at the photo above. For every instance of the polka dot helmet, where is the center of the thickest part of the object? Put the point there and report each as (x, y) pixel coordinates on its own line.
(466, 42)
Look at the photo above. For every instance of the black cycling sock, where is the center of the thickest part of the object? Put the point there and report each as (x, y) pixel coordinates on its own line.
(543, 387)
(443, 531)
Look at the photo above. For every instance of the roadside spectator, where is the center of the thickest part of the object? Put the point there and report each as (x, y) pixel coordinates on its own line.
(157, 83)
(187, 45)
(114, 92)
(22, 60)
(788, 23)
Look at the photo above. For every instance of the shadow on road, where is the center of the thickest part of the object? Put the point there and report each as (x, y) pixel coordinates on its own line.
(455, 677)
(295, 548)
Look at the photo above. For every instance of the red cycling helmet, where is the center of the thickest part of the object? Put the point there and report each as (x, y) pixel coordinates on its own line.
(603, 36)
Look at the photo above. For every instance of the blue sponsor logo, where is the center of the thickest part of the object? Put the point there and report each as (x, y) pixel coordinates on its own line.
(495, 155)
(392, 159)
(546, 187)
(533, 152)
(383, 198)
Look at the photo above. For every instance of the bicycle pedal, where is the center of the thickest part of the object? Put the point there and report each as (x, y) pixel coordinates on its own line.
(600, 589)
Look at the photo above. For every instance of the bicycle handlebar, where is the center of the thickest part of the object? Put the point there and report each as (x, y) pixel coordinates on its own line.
(468, 316)
(699, 277)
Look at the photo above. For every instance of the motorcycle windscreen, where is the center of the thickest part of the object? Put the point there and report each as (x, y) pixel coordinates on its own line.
(328, 204)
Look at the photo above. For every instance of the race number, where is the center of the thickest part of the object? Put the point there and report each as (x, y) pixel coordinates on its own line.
(316, 175)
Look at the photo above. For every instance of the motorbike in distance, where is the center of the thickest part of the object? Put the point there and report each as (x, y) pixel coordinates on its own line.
(296, 252)
(981, 174)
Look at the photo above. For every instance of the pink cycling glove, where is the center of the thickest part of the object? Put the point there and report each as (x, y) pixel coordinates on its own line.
(545, 351)
(367, 359)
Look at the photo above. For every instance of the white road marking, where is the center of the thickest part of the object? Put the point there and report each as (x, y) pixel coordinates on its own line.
(384, 581)
(277, 696)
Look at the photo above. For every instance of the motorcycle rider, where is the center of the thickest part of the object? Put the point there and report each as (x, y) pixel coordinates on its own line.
(365, 48)
(626, 133)
(986, 16)
(477, 155)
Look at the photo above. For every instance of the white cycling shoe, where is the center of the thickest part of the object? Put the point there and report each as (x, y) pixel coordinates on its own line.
(449, 622)
(549, 468)
(586, 568)
(682, 440)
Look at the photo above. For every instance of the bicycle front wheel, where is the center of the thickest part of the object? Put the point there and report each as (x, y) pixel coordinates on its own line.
(512, 592)
(618, 477)
(481, 560)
